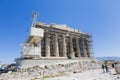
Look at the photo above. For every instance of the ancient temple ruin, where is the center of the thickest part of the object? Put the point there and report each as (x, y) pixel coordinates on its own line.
(54, 42)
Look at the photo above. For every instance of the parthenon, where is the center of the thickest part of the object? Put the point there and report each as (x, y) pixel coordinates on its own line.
(56, 42)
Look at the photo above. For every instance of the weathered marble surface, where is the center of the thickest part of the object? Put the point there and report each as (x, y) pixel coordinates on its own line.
(30, 63)
(117, 68)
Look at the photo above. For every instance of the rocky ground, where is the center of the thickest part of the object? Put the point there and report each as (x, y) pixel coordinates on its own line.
(89, 75)
(96, 74)
(70, 71)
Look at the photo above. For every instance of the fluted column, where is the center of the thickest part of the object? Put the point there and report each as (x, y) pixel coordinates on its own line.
(84, 49)
(47, 45)
(72, 54)
(78, 47)
(56, 46)
(64, 46)
(88, 49)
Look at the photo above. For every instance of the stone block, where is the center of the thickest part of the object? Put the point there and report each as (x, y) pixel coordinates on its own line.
(117, 68)
(36, 32)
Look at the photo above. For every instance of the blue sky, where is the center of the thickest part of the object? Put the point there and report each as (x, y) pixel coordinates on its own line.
(100, 18)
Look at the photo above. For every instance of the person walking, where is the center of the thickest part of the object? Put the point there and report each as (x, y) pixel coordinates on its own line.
(113, 65)
(106, 68)
(103, 67)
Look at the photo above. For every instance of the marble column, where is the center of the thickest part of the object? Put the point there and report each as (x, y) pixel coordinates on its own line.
(84, 48)
(78, 47)
(47, 45)
(88, 49)
(64, 46)
(72, 54)
(56, 46)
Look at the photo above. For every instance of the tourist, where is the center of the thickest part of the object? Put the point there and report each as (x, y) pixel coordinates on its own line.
(113, 66)
(103, 67)
(106, 68)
